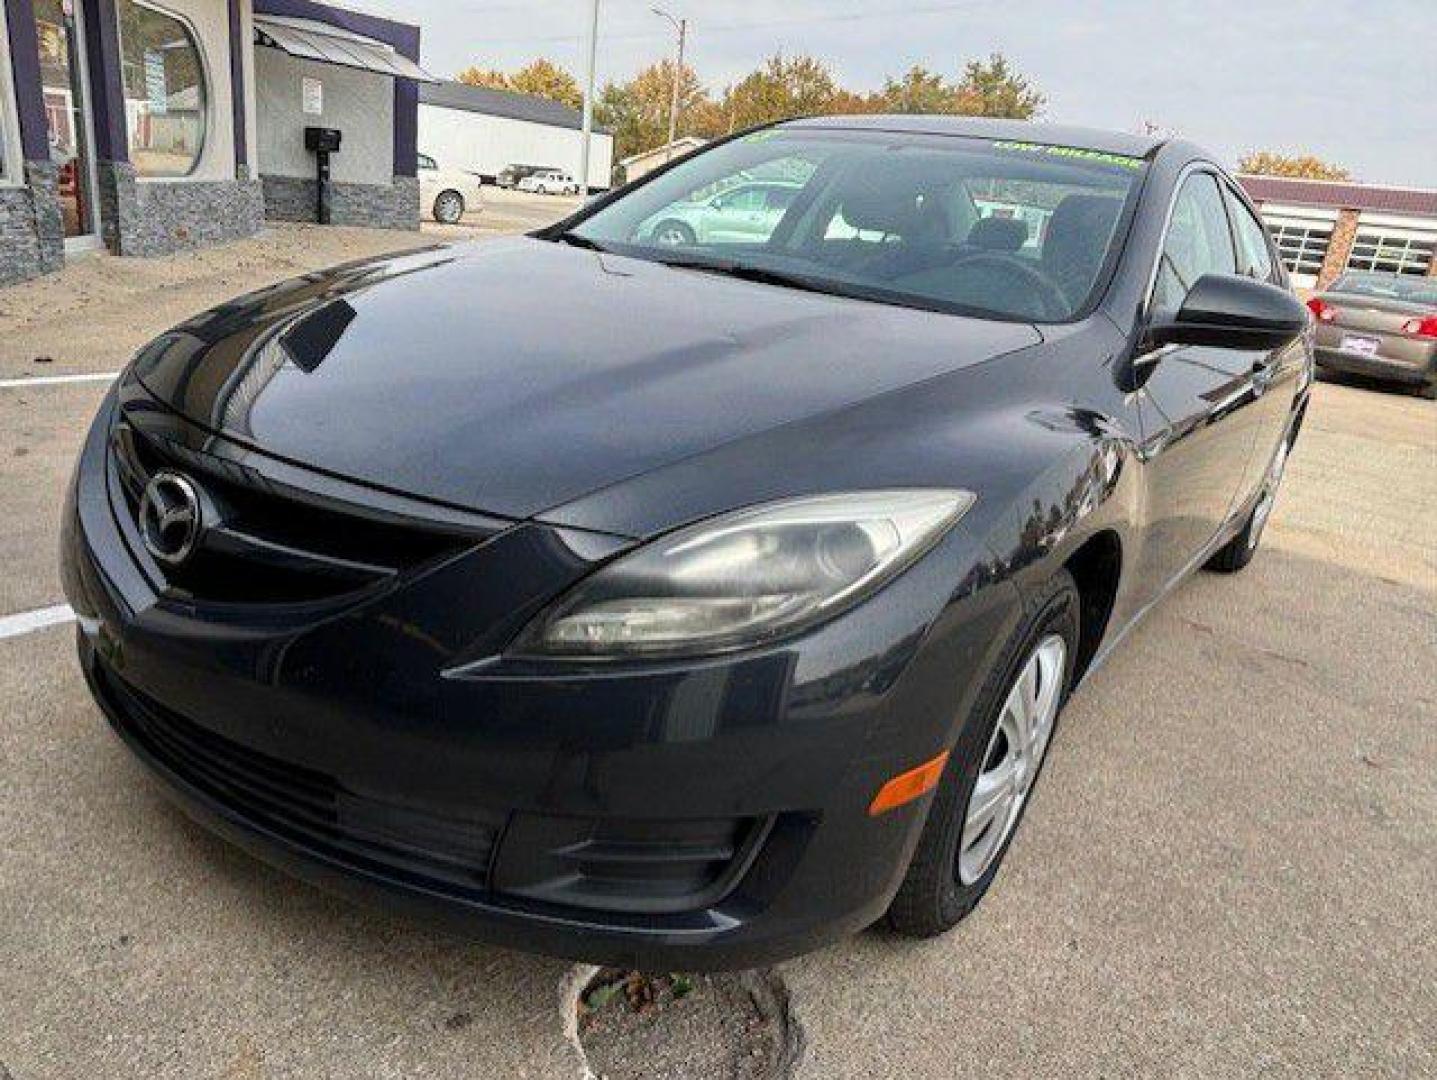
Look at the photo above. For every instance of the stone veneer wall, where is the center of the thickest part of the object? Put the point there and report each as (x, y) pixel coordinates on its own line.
(157, 217)
(380, 206)
(32, 235)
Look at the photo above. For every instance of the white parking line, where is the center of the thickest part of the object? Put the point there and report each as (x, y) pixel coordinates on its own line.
(57, 380)
(28, 621)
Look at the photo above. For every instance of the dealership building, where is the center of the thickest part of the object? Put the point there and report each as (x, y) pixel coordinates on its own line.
(1325, 227)
(481, 130)
(150, 126)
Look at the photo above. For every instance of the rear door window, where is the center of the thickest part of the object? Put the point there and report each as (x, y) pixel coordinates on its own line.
(1253, 256)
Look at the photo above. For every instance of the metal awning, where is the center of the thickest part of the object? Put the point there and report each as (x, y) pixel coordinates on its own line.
(311, 40)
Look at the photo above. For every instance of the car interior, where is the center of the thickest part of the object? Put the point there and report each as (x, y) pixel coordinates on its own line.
(970, 233)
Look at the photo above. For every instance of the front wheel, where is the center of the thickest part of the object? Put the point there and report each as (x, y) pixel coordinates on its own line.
(673, 234)
(992, 769)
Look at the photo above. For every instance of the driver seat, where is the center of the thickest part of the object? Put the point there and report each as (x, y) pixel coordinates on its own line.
(1076, 241)
(913, 216)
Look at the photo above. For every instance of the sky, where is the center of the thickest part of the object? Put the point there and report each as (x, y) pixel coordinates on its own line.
(1351, 81)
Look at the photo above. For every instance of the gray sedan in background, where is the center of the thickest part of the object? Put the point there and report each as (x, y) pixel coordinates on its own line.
(1382, 325)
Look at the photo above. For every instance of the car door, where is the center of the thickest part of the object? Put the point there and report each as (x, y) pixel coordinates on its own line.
(736, 216)
(1196, 403)
(1279, 375)
(428, 179)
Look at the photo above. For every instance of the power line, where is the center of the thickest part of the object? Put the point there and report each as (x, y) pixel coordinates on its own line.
(742, 27)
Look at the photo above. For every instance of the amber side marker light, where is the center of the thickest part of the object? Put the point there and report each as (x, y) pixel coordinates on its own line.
(907, 786)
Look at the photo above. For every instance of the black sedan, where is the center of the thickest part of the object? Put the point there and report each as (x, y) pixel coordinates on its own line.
(688, 605)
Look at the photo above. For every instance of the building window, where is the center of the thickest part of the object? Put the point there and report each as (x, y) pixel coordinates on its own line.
(166, 96)
(1392, 253)
(1302, 245)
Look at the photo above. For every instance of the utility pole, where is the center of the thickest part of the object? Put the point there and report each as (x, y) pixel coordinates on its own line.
(589, 100)
(682, 26)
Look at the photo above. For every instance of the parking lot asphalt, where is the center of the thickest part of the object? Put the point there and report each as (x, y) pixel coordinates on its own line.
(1229, 866)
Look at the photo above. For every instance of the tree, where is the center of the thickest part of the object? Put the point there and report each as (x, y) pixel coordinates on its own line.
(782, 87)
(638, 111)
(1305, 167)
(473, 76)
(848, 103)
(545, 79)
(995, 88)
(541, 78)
(918, 91)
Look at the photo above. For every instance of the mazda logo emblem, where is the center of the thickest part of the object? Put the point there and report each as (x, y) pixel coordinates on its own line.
(170, 517)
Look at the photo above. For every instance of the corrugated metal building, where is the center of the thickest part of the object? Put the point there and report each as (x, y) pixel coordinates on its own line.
(482, 130)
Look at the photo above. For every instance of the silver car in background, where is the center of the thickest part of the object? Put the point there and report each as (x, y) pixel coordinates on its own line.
(747, 211)
(1380, 325)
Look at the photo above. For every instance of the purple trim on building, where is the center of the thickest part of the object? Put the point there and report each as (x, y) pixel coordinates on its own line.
(24, 48)
(406, 127)
(404, 37)
(237, 85)
(1341, 195)
(107, 88)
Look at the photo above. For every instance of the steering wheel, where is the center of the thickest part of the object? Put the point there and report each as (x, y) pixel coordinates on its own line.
(1051, 299)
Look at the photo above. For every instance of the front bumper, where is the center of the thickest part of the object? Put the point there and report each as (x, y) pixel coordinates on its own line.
(361, 748)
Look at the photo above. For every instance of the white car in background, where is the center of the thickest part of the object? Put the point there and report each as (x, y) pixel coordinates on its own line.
(447, 194)
(550, 182)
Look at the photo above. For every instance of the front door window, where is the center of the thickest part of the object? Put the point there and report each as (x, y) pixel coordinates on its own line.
(61, 76)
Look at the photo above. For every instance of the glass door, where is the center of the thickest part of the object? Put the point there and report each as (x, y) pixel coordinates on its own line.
(67, 113)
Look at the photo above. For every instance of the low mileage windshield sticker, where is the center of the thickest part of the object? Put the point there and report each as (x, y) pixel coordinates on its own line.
(1074, 152)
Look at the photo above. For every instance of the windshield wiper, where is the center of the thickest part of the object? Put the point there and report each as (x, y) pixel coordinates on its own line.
(760, 274)
(573, 239)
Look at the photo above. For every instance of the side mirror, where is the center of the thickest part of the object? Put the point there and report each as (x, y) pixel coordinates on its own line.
(1232, 312)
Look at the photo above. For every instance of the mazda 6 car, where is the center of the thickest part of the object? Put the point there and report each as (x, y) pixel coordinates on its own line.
(688, 606)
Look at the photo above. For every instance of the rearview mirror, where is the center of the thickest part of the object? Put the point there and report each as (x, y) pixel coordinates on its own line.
(1232, 312)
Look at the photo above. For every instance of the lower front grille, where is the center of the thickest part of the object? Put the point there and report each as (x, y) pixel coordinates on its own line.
(625, 866)
(304, 806)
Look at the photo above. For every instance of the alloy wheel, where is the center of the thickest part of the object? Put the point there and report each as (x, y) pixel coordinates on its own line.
(1012, 759)
(671, 236)
(448, 208)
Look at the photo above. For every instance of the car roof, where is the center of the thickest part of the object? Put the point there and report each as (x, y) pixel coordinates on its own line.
(1103, 141)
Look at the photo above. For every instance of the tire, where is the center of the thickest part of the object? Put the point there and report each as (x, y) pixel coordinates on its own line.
(1238, 552)
(678, 234)
(448, 207)
(941, 886)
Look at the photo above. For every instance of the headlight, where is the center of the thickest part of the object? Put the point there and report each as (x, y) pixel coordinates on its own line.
(743, 578)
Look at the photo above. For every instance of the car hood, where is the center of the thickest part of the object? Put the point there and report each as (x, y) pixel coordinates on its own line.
(513, 376)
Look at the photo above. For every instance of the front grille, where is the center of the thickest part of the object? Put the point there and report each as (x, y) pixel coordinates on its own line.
(304, 806)
(272, 545)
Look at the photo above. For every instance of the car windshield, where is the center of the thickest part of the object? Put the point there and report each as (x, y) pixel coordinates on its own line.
(1389, 287)
(999, 229)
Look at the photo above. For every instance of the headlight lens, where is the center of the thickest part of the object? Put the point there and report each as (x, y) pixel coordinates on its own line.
(744, 578)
